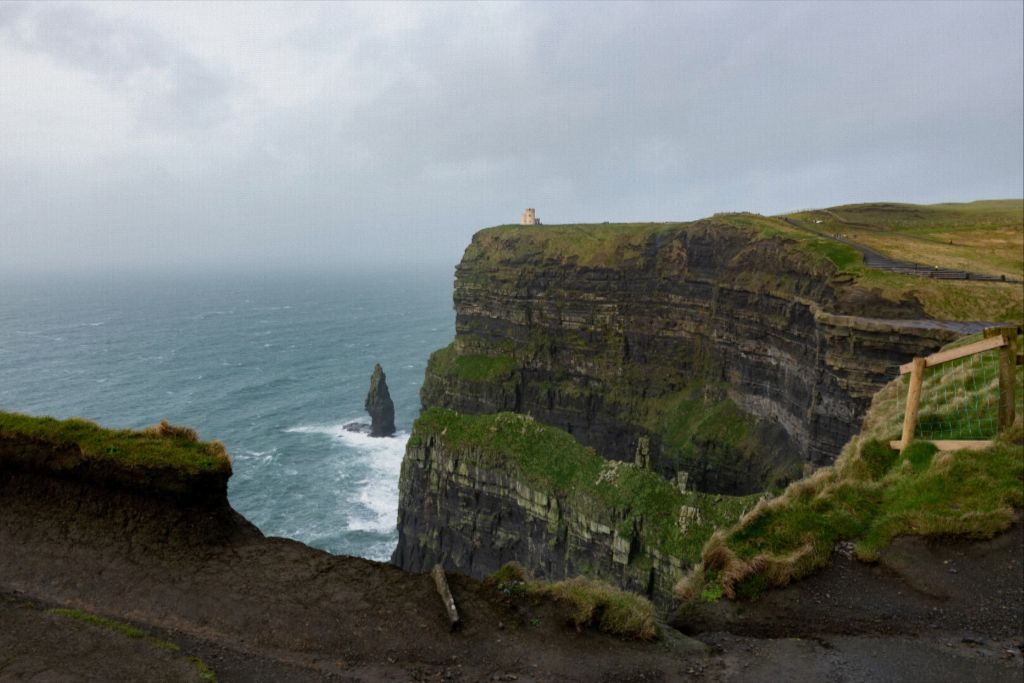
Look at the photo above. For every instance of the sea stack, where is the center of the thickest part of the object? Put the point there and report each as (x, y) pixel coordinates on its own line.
(380, 405)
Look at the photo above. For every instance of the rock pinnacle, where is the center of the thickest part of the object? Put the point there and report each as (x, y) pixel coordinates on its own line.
(379, 405)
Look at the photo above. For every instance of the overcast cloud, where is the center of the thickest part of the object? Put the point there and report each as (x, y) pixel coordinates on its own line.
(303, 135)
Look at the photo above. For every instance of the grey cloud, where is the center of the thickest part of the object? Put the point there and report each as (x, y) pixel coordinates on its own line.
(631, 111)
(170, 86)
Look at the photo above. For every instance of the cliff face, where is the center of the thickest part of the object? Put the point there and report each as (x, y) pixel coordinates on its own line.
(475, 517)
(479, 491)
(734, 357)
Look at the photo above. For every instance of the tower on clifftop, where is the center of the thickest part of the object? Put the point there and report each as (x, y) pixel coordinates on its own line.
(529, 218)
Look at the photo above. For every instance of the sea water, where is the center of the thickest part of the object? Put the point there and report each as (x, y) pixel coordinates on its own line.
(272, 365)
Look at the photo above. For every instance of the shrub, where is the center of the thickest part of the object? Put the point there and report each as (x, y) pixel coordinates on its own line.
(169, 431)
(612, 610)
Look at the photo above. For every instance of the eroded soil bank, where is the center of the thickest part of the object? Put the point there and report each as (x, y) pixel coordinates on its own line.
(253, 608)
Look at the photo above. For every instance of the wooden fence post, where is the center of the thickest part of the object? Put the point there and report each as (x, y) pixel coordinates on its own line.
(913, 402)
(1007, 378)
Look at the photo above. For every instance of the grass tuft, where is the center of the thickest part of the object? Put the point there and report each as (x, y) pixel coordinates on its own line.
(168, 431)
(589, 603)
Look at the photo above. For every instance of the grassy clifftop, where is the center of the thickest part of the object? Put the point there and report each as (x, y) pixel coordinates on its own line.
(162, 458)
(985, 237)
(614, 244)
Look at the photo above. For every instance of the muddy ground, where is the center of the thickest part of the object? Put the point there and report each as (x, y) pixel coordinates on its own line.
(204, 584)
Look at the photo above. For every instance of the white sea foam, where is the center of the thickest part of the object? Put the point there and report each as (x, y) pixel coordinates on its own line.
(256, 456)
(374, 505)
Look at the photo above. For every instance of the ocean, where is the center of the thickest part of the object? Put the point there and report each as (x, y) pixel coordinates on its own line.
(272, 365)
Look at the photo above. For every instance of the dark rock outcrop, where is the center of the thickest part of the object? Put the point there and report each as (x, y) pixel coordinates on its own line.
(379, 405)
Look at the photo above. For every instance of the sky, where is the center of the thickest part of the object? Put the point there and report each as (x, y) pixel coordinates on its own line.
(341, 136)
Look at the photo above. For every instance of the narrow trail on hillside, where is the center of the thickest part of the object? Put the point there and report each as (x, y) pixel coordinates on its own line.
(874, 259)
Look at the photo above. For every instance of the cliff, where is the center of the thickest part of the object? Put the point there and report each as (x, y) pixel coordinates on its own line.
(728, 348)
(488, 491)
(713, 359)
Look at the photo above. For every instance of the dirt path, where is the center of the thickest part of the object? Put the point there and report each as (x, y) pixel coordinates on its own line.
(251, 608)
(256, 608)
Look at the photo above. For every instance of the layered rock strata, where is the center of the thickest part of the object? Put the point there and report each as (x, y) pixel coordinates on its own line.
(615, 346)
(475, 512)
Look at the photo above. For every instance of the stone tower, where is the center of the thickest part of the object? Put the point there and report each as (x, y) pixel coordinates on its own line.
(529, 218)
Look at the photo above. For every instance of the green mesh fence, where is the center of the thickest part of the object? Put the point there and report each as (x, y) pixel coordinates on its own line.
(960, 399)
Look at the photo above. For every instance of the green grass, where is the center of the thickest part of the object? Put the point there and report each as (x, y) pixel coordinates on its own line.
(589, 603)
(926, 217)
(684, 416)
(161, 447)
(984, 236)
(202, 670)
(126, 630)
(871, 495)
(471, 367)
(701, 414)
(583, 244)
(959, 399)
(611, 244)
(552, 461)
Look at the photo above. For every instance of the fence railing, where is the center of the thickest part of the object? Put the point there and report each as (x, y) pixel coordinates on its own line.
(1002, 338)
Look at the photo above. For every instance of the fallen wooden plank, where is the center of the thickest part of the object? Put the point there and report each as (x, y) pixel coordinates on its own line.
(960, 352)
(441, 583)
(949, 445)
